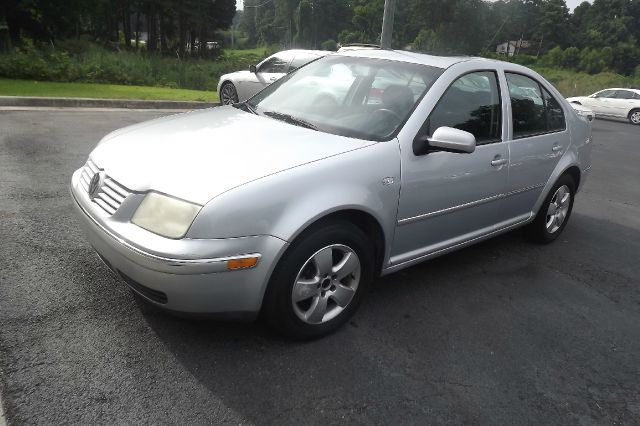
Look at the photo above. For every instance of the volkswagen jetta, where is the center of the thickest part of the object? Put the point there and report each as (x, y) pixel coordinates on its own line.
(357, 165)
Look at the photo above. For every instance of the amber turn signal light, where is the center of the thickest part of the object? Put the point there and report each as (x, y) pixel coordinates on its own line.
(242, 263)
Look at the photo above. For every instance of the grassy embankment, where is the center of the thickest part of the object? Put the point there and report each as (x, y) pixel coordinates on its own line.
(10, 87)
(571, 83)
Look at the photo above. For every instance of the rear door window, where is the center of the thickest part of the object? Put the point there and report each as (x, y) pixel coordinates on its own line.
(624, 94)
(534, 110)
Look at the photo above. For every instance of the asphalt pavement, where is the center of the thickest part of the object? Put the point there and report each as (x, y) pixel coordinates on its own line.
(504, 332)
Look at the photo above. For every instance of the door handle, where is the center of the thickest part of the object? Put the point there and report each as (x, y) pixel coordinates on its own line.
(497, 162)
(556, 148)
(273, 78)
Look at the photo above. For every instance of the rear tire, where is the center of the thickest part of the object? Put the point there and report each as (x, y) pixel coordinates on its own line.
(634, 117)
(320, 281)
(554, 212)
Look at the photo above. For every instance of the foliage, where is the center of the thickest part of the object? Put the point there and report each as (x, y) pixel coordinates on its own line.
(329, 45)
(87, 62)
(173, 26)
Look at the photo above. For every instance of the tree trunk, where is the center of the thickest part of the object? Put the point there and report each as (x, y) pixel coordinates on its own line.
(126, 24)
(163, 33)
(182, 30)
(137, 29)
(192, 42)
(152, 28)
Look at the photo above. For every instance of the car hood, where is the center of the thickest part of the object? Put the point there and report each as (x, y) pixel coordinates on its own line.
(577, 98)
(233, 75)
(199, 155)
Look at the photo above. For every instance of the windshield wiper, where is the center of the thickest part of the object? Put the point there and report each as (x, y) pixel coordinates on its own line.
(246, 106)
(291, 119)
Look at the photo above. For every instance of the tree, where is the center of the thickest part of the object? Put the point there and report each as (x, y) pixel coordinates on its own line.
(553, 22)
(304, 24)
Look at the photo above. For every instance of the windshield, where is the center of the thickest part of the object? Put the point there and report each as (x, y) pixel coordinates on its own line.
(356, 97)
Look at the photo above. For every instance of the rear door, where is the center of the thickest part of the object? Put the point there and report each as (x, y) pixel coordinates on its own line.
(538, 138)
(621, 103)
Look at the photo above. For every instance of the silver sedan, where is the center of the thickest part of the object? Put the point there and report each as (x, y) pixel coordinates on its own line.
(241, 85)
(357, 165)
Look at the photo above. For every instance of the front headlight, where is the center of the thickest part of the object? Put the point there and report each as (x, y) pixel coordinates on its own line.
(164, 215)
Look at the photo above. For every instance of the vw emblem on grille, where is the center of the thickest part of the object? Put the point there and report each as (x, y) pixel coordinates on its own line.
(95, 184)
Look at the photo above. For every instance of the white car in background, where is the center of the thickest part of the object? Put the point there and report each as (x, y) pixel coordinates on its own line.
(616, 103)
(241, 85)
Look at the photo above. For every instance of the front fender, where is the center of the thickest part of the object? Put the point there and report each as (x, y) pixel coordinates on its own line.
(286, 203)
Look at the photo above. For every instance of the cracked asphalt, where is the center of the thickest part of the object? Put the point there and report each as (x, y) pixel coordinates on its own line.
(504, 332)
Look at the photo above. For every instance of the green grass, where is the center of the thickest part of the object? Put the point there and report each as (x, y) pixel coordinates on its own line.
(9, 87)
(571, 83)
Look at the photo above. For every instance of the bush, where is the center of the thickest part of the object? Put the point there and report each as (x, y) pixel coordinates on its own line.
(329, 45)
(82, 61)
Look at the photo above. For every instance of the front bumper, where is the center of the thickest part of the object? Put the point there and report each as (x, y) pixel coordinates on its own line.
(186, 275)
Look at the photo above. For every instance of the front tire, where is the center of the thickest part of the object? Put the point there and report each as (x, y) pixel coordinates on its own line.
(634, 117)
(320, 281)
(228, 93)
(554, 212)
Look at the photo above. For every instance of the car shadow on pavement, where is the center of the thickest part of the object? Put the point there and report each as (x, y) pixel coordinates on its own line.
(497, 332)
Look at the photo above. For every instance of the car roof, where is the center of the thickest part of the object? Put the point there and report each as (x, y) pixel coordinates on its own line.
(411, 57)
(303, 52)
(621, 88)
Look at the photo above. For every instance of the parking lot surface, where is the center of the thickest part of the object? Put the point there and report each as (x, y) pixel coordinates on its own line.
(504, 332)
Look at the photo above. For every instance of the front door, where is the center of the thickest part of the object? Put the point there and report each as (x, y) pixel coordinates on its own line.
(447, 198)
(267, 72)
(599, 103)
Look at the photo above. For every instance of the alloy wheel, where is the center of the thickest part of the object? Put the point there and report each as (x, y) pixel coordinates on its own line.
(228, 94)
(558, 209)
(326, 284)
(635, 117)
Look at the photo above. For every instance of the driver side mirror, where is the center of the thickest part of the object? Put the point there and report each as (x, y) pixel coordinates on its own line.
(253, 69)
(447, 139)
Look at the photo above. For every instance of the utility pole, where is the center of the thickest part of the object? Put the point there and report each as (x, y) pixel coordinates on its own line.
(387, 24)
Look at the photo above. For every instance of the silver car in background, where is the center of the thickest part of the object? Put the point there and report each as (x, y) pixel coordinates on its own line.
(357, 165)
(241, 85)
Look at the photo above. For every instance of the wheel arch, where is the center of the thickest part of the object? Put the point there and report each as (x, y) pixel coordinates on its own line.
(574, 172)
(569, 165)
(361, 219)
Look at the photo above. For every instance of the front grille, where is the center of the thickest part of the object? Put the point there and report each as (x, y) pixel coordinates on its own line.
(110, 195)
(155, 295)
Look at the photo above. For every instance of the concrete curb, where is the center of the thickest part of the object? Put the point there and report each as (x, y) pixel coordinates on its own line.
(28, 101)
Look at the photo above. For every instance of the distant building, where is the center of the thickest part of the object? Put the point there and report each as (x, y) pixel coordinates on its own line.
(513, 47)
